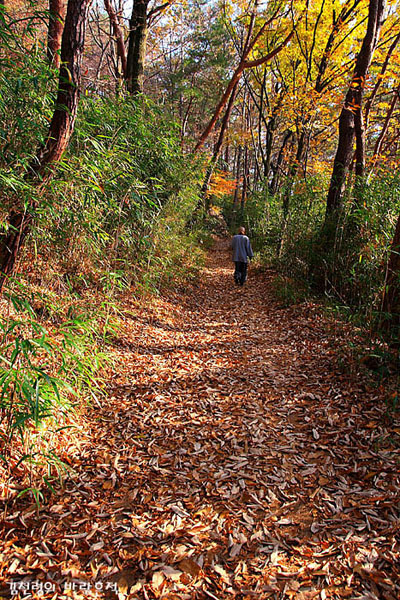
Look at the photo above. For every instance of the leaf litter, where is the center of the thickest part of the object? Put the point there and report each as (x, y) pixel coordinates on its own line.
(232, 458)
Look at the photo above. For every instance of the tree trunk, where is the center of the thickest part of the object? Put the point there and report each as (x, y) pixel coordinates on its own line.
(118, 34)
(186, 119)
(347, 125)
(275, 179)
(242, 66)
(63, 121)
(245, 185)
(379, 141)
(237, 175)
(227, 156)
(57, 10)
(60, 130)
(271, 127)
(269, 138)
(372, 97)
(262, 121)
(344, 15)
(294, 167)
(359, 129)
(218, 147)
(137, 47)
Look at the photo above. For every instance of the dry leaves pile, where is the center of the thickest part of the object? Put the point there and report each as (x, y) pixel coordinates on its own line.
(232, 459)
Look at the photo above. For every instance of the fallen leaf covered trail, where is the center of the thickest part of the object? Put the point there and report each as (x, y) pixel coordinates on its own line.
(232, 459)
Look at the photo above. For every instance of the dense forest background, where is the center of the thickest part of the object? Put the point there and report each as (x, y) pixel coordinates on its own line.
(132, 131)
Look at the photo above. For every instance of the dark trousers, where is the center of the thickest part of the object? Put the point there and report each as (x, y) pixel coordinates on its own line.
(240, 274)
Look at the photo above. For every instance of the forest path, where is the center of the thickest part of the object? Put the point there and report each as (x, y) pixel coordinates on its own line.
(232, 459)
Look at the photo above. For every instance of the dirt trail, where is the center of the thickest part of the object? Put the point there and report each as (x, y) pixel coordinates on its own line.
(232, 459)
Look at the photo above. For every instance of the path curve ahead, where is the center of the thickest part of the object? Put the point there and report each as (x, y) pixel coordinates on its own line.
(232, 459)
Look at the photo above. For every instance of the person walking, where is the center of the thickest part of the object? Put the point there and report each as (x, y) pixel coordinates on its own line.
(241, 252)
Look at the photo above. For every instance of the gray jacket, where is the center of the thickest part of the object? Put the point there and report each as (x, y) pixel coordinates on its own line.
(241, 248)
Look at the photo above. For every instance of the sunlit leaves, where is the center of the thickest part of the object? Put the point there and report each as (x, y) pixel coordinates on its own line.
(220, 185)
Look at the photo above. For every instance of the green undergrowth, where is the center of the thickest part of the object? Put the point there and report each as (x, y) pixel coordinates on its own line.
(114, 220)
(352, 273)
(48, 373)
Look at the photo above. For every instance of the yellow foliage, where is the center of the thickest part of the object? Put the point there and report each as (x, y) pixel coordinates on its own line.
(220, 185)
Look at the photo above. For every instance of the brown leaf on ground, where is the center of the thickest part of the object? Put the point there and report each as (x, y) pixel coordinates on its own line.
(232, 458)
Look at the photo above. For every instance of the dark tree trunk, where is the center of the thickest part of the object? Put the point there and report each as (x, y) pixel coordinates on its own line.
(57, 10)
(263, 169)
(256, 170)
(268, 146)
(271, 127)
(347, 120)
(261, 122)
(60, 130)
(63, 121)
(359, 157)
(294, 167)
(237, 175)
(277, 167)
(137, 47)
(226, 157)
(245, 185)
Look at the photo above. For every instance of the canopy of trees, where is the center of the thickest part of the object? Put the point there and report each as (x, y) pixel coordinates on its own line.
(279, 102)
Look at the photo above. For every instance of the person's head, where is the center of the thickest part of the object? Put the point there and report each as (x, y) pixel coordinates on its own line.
(241, 231)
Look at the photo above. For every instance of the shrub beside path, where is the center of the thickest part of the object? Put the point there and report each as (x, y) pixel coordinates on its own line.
(232, 458)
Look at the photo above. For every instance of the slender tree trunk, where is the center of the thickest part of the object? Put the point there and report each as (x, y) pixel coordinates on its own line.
(234, 161)
(261, 117)
(275, 179)
(347, 120)
(256, 170)
(293, 169)
(186, 119)
(271, 127)
(242, 66)
(262, 121)
(218, 146)
(237, 175)
(337, 26)
(379, 141)
(118, 35)
(57, 10)
(372, 97)
(245, 185)
(359, 156)
(60, 130)
(226, 157)
(137, 47)
(360, 143)
(268, 146)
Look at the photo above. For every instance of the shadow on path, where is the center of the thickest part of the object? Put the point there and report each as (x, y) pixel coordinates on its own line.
(232, 459)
